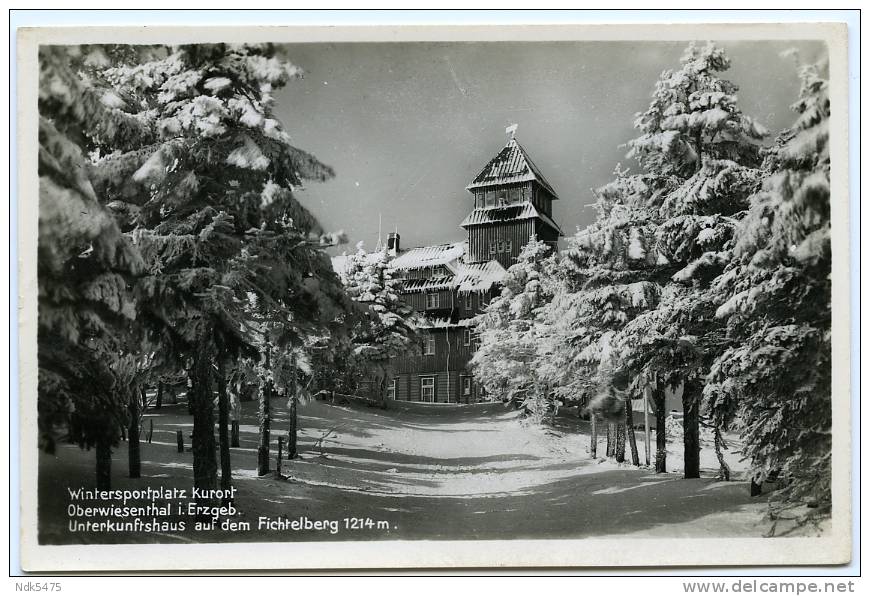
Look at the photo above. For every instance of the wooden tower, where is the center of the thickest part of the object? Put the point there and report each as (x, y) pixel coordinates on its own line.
(512, 201)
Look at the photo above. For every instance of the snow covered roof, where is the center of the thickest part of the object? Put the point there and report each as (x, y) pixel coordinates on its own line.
(512, 164)
(479, 277)
(426, 285)
(464, 277)
(444, 323)
(512, 212)
(428, 256)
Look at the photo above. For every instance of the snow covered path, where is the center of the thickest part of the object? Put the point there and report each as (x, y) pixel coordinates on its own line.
(459, 475)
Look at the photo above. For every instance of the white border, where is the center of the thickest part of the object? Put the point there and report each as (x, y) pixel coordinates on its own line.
(438, 554)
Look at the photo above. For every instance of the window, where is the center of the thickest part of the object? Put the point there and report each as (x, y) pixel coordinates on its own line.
(428, 345)
(391, 390)
(490, 198)
(466, 337)
(475, 341)
(432, 300)
(427, 389)
(501, 197)
(500, 246)
(466, 385)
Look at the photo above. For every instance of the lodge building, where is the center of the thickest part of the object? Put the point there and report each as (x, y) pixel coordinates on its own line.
(451, 283)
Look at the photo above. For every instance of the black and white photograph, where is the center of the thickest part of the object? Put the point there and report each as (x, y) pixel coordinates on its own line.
(521, 297)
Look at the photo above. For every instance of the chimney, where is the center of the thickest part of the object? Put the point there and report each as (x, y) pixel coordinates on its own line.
(393, 242)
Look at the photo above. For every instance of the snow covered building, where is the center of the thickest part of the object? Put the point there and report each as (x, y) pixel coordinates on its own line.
(451, 283)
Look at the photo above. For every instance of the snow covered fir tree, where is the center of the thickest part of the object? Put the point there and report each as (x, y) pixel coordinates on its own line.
(204, 321)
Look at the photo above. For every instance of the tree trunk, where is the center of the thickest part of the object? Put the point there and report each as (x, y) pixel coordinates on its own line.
(158, 403)
(718, 443)
(294, 425)
(235, 414)
(104, 464)
(611, 441)
(134, 459)
(661, 429)
(265, 423)
(629, 429)
(190, 398)
(223, 427)
(593, 441)
(691, 432)
(202, 403)
(620, 443)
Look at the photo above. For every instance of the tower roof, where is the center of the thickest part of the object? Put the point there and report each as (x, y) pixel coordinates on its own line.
(512, 164)
(503, 213)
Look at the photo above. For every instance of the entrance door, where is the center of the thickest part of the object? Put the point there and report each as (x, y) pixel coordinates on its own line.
(427, 389)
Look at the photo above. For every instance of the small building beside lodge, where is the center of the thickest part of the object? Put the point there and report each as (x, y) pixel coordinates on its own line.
(452, 283)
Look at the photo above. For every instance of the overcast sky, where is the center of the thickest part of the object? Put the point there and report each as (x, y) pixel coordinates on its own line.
(407, 126)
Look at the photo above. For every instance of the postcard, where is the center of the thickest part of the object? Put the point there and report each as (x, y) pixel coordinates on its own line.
(434, 297)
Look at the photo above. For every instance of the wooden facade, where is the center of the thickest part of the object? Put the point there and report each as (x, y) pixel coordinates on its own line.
(447, 367)
(500, 242)
(509, 194)
(433, 302)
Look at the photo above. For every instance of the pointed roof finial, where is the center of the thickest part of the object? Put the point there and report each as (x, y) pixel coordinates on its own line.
(512, 130)
(512, 164)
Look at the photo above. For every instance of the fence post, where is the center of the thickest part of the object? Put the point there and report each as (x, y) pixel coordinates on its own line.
(646, 440)
(754, 488)
(280, 453)
(179, 438)
(234, 433)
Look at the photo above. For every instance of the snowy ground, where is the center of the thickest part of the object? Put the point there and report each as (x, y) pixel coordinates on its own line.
(459, 475)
